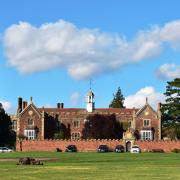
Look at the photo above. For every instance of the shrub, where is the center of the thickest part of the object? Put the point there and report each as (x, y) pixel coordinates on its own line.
(59, 135)
(21, 137)
(176, 150)
(157, 150)
(58, 150)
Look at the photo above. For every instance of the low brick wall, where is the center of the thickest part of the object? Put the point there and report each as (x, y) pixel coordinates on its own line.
(52, 145)
(167, 146)
(91, 145)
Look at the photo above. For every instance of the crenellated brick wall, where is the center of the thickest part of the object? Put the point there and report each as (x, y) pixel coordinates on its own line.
(91, 145)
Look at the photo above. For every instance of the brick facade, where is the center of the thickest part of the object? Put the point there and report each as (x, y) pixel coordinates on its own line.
(47, 120)
(35, 116)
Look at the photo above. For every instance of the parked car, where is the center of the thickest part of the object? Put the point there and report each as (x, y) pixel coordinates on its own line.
(71, 148)
(135, 149)
(119, 149)
(103, 148)
(5, 149)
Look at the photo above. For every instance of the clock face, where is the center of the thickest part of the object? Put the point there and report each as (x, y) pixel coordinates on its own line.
(30, 113)
(146, 113)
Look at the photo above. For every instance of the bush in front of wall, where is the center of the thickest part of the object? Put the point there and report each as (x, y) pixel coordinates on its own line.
(175, 150)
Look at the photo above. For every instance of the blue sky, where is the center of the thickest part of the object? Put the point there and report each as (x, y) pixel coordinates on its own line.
(50, 49)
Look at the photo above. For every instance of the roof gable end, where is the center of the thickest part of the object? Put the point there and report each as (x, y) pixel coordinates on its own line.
(30, 106)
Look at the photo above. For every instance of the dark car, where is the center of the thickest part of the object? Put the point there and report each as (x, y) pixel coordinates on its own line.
(119, 149)
(71, 148)
(103, 148)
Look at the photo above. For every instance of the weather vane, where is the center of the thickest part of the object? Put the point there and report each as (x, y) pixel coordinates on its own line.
(90, 83)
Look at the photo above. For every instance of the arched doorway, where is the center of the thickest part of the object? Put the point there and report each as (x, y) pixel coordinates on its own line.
(128, 146)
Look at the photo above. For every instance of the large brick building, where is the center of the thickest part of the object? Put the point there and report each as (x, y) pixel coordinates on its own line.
(42, 123)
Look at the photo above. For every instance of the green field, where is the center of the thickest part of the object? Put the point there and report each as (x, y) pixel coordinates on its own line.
(93, 166)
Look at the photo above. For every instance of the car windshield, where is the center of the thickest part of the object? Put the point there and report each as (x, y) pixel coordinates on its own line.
(102, 146)
(135, 147)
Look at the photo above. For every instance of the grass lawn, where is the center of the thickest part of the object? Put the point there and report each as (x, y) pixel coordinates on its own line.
(101, 166)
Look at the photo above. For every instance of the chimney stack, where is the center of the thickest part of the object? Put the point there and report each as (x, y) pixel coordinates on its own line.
(20, 104)
(24, 105)
(60, 105)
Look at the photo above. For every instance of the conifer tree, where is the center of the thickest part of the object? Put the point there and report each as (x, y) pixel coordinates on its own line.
(118, 100)
(171, 109)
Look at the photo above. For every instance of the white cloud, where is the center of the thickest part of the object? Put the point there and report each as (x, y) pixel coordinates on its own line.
(83, 52)
(168, 71)
(6, 105)
(75, 98)
(138, 99)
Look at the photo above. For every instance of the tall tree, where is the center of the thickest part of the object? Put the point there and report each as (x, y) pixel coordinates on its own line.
(118, 100)
(100, 126)
(171, 109)
(7, 135)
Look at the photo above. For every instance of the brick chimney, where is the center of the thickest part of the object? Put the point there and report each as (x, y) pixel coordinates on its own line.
(60, 105)
(20, 104)
(24, 105)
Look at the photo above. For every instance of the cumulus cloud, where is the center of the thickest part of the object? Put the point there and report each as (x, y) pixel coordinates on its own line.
(83, 52)
(168, 71)
(138, 99)
(75, 98)
(6, 105)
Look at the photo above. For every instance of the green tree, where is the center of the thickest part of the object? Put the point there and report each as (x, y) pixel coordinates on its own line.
(100, 126)
(59, 135)
(118, 100)
(171, 110)
(7, 135)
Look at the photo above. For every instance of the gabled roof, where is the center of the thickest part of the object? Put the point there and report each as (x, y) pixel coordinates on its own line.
(33, 107)
(144, 107)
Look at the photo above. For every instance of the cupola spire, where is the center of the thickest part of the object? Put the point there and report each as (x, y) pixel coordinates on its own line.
(90, 104)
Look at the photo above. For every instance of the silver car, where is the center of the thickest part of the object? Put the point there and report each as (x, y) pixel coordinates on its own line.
(5, 149)
(135, 149)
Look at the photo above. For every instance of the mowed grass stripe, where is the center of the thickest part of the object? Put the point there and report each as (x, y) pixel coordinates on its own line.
(94, 166)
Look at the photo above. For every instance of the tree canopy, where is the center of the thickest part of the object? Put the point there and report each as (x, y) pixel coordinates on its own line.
(118, 100)
(171, 110)
(98, 126)
(7, 136)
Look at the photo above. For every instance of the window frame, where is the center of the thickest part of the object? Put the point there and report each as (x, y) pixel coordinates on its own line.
(76, 125)
(146, 135)
(30, 134)
(30, 120)
(14, 125)
(145, 124)
(76, 135)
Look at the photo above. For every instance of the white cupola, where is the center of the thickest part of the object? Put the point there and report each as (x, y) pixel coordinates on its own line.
(90, 104)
